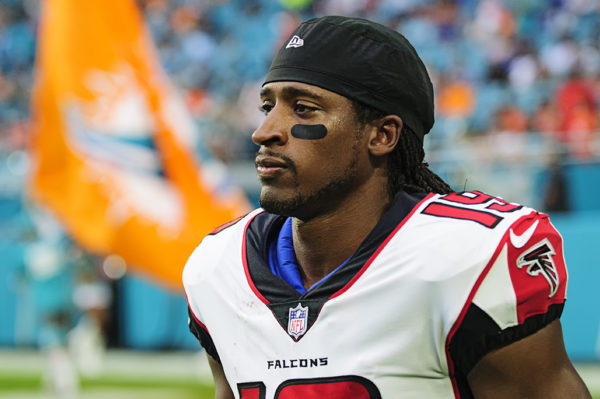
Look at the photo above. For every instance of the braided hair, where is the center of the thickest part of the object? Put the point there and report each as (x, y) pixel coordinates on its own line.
(407, 171)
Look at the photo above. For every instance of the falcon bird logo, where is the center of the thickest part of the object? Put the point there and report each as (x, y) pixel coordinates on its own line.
(538, 260)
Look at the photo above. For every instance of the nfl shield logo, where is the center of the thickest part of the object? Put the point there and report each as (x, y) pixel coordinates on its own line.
(298, 321)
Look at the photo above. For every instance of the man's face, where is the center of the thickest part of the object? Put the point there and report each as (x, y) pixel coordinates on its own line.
(306, 169)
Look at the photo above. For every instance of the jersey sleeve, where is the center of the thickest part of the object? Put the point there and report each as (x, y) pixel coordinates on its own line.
(522, 291)
(201, 278)
(194, 275)
(201, 333)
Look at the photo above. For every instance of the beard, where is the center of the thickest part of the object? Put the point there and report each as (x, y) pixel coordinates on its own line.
(321, 200)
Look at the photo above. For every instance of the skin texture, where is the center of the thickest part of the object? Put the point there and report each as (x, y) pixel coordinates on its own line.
(320, 182)
(222, 389)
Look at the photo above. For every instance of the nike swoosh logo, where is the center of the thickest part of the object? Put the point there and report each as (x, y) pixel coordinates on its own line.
(519, 241)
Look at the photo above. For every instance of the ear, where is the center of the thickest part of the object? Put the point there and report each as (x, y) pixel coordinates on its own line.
(385, 135)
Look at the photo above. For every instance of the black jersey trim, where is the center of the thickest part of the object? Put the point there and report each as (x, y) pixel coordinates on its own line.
(479, 335)
(259, 232)
(201, 333)
(279, 296)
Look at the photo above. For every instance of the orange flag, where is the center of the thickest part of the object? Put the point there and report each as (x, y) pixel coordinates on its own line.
(112, 142)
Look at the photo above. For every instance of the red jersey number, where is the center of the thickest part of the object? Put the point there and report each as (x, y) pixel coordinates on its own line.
(342, 387)
(468, 207)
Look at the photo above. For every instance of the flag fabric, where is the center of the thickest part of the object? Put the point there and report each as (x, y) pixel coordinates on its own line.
(113, 145)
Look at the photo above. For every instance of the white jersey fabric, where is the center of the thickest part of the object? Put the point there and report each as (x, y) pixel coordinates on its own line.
(441, 281)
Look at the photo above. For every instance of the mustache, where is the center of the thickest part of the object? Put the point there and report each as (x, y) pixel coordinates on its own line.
(289, 162)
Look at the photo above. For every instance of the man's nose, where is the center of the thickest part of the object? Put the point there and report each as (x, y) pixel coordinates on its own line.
(272, 131)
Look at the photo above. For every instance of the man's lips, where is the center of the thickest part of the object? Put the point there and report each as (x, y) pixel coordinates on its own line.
(268, 166)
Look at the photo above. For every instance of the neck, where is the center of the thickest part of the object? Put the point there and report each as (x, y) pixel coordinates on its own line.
(326, 241)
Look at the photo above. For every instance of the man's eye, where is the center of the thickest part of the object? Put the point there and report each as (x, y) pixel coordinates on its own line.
(265, 108)
(301, 108)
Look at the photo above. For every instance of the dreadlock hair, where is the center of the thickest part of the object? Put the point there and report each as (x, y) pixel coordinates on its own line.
(406, 169)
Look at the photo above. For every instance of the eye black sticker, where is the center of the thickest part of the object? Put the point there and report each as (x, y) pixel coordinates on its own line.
(309, 132)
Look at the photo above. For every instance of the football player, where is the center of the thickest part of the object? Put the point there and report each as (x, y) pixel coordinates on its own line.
(364, 275)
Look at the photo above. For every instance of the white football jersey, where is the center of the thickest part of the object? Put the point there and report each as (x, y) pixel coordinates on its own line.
(439, 282)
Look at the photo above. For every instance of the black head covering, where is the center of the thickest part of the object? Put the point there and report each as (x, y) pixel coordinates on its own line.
(363, 61)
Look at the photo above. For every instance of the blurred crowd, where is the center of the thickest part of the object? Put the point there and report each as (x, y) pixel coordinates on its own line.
(513, 78)
(498, 66)
(503, 70)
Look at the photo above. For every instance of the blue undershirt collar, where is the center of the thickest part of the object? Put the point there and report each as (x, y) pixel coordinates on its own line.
(283, 263)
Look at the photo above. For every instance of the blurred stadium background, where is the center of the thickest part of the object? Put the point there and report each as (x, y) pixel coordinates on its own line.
(517, 115)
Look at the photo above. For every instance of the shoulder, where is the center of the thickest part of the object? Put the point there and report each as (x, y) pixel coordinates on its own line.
(521, 289)
(486, 211)
(520, 247)
(220, 243)
(481, 223)
(529, 272)
(459, 232)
